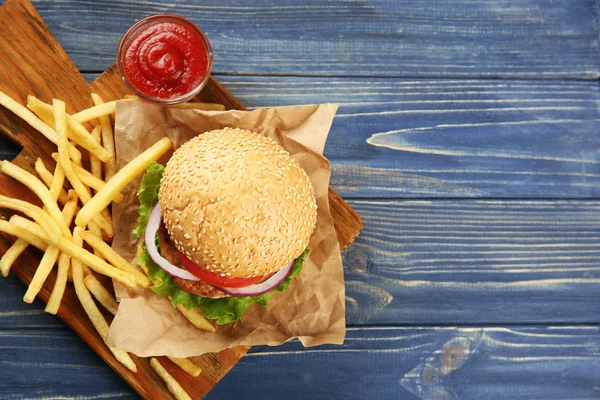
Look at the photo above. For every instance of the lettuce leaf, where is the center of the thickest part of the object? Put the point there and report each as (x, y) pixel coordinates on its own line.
(225, 310)
(148, 195)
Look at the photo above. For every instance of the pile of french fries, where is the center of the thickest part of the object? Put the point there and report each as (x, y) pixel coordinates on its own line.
(74, 227)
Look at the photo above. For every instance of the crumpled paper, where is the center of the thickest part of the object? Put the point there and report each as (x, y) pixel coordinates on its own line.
(312, 309)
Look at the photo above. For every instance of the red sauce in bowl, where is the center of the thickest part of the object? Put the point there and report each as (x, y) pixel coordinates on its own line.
(165, 58)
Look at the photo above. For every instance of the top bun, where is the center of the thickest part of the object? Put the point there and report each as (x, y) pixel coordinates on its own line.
(237, 203)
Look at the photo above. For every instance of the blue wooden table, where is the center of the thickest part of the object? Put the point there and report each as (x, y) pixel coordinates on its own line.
(467, 137)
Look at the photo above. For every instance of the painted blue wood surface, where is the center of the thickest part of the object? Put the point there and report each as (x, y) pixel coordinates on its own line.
(551, 362)
(441, 38)
(400, 138)
(52, 364)
(426, 363)
(450, 138)
(484, 262)
(422, 132)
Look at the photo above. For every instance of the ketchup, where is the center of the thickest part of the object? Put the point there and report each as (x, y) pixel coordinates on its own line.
(165, 58)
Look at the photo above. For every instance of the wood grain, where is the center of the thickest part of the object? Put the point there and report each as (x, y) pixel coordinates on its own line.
(484, 262)
(450, 138)
(534, 362)
(457, 262)
(36, 64)
(545, 39)
(551, 363)
(400, 138)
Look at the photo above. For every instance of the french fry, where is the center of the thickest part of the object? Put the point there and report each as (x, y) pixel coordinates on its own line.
(19, 246)
(47, 263)
(113, 187)
(108, 140)
(33, 212)
(65, 162)
(96, 263)
(95, 229)
(95, 163)
(16, 226)
(83, 294)
(76, 132)
(46, 177)
(104, 222)
(173, 386)
(124, 358)
(67, 246)
(42, 171)
(196, 318)
(87, 178)
(58, 181)
(70, 208)
(39, 189)
(64, 263)
(187, 365)
(101, 294)
(82, 137)
(41, 109)
(41, 273)
(97, 111)
(90, 307)
(34, 122)
(11, 255)
(20, 224)
(114, 258)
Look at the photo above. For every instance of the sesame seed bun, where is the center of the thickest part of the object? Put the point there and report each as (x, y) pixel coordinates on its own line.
(237, 203)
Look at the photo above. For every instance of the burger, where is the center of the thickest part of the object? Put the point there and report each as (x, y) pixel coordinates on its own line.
(226, 222)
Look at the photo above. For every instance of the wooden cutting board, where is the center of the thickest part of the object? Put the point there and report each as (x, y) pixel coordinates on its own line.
(33, 62)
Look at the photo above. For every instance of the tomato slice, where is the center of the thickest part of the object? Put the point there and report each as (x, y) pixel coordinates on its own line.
(214, 279)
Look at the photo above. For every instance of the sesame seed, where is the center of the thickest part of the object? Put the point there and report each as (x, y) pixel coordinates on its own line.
(260, 223)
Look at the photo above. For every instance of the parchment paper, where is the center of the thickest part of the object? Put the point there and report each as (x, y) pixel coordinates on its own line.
(312, 309)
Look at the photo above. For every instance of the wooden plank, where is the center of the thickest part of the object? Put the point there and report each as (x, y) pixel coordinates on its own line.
(14, 313)
(484, 262)
(551, 363)
(449, 138)
(444, 138)
(55, 363)
(427, 363)
(545, 135)
(477, 38)
(457, 262)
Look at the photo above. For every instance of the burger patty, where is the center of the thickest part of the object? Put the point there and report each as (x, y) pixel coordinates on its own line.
(169, 252)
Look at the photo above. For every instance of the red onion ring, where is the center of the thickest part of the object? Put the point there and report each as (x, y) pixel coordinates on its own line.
(253, 290)
(149, 235)
(261, 288)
